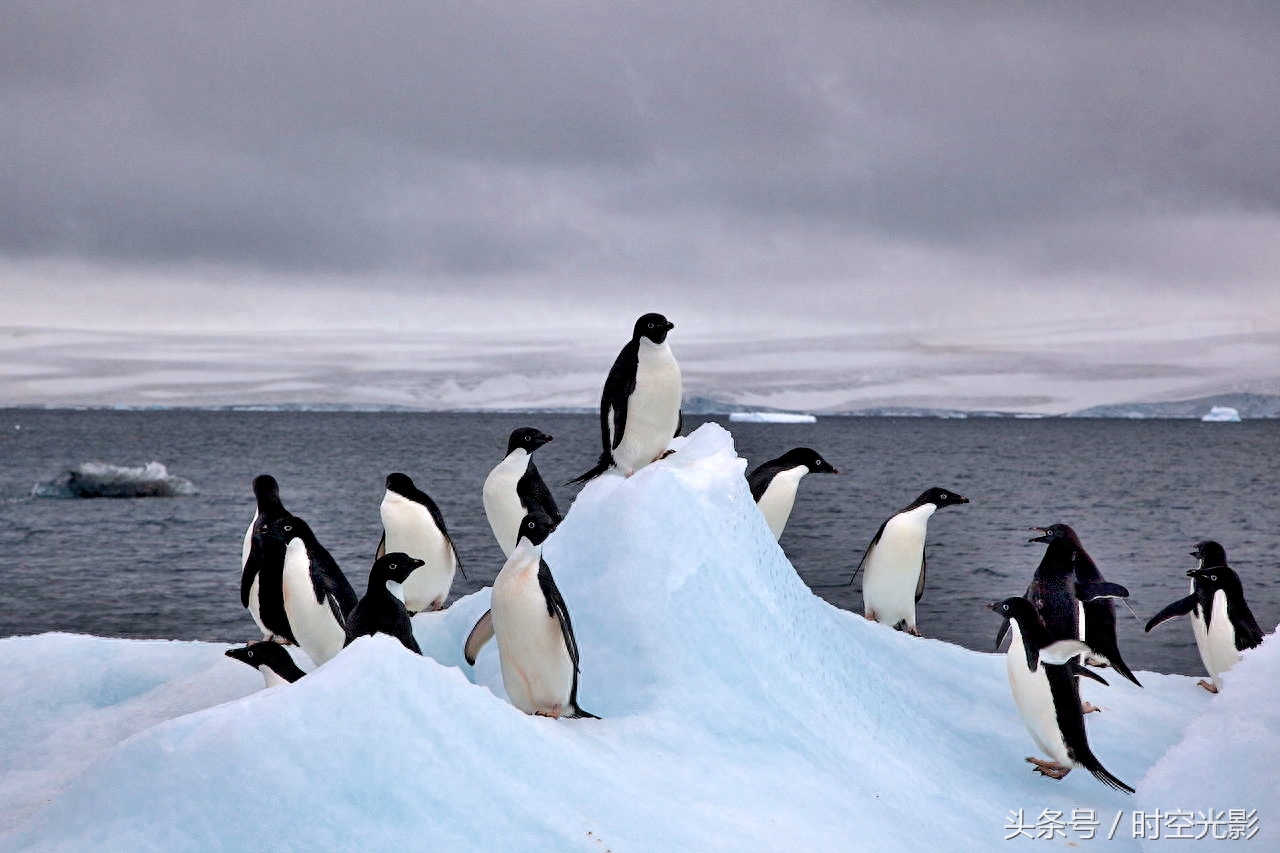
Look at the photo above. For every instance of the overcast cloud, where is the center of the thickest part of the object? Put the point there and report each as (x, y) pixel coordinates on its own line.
(977, 174)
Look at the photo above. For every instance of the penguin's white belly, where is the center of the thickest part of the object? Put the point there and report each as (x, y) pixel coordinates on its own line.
(410, 528)
(270, 678)
(893, 568)
(1034, 700)
(653, 412)
(779, 498)
(1219, 652)
(501, 503)
(313, 624)
(537, 671)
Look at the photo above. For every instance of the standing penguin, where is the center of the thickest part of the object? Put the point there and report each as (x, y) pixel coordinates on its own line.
(305, 597)
(266, 492)
(640, 405)
(1098, 614)
(270, 659)
(895, 561)
(514, 488)
(1042, 676)
(537, 651)
(382, 609)
(1217, 607)
(774, 483)
(412, 523)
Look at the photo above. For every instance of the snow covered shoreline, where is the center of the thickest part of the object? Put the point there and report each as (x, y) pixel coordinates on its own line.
(741, 712)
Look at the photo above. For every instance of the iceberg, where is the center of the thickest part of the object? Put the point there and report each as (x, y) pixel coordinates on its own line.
(771, 418)
(101, 480)
(740, 712)
(1222, 415)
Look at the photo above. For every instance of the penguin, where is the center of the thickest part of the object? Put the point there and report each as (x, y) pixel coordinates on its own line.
(640, 404)
(1221, 620)
(895, 561)
(412, 523)
(774, 483)
(382, 609)
(1042, 677)
(514, 488)
(266, 492)
(537, 651)
(304, 595)
(270, 659)
(1097, 614)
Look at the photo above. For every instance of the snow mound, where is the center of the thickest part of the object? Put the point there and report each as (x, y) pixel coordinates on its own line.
(740, 712)
(771, 418)
(1222, 415)
(101, 480)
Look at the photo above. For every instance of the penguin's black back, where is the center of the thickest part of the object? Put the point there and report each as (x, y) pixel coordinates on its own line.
(1052, 592)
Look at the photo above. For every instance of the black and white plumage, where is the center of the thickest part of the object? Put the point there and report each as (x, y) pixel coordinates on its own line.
(640, 404)
(305, 596)
(412, 523)
(266, 492)
(1043, 676)
(1098, 613)
(382, 609)
(270, 659)
(514, 488)
(537, 650)
(894, 563)
(774, 483)
(1221, 621)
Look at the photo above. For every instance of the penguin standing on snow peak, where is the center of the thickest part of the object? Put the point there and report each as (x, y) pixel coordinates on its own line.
(774, 484)
(640, 405)
(270, 659)
(514, 488)
(412, 523)
(1221, 621)
(382, 609)
(894, 562)
(537, 651)
(266, 492)
(1042, 676)
(305, 596)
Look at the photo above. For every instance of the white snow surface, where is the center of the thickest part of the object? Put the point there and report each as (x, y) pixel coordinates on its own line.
(771, 418)
(740, 712)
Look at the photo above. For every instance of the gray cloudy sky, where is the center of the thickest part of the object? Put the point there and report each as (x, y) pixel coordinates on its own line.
(1085, 188)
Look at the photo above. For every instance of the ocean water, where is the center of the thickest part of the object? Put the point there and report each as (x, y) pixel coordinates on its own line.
(1139, 493)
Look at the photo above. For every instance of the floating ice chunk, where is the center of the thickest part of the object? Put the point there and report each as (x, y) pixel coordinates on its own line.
(1222, 415)
(100, 480)
(771, 418)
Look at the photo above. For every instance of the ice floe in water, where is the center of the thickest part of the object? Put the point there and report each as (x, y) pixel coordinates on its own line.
(1222, 415)
(771, 418)
(101, 480)
(740, 712)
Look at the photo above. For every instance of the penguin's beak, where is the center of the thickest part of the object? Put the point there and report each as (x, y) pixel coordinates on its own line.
(1194, 553)
(992, 606)
(416, 563)
(670, 325)
(1043, 537)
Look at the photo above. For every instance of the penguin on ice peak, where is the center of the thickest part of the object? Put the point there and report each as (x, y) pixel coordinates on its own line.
(266, 492)
(305, 596)
(537, 651)
(514, 488)
(894, 562)
(640, 404)
(382, 609)
(270, 659)
(1042, 677)
(774, 484)
(412, 523)
(1221, 621)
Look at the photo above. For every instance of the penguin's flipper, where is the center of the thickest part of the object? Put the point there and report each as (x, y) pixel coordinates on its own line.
(920, 583)
(1110, 653)
(1077, 668)
(327, 579)
(533, 493)
(1100, 589)
(875, 540)
(1000, 635)
(557, 608)
(480, 634)
(1248, 634)
(382, 548)
(252, 565)
(336, 610)
(1063, 651)
(1181, 607)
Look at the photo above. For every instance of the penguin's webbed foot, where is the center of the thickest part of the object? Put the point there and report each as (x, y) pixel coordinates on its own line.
(664, 454)
(913, 631)
(1089, 708)
(1208, 685)
(1052, 769)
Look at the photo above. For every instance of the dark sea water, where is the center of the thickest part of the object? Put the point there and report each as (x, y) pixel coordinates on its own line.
(1139, 493)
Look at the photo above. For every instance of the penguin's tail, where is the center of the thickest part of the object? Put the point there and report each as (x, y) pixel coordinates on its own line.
(1091, 763)
(606, 460)
(1114, 661)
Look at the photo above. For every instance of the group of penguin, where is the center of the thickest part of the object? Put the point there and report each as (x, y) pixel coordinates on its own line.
(297, 594)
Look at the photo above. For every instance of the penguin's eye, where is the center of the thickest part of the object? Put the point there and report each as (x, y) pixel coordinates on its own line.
(650, 325)
(1213, 577)
(945, 496)
(393, 566)
(248, 654)
(288, 528)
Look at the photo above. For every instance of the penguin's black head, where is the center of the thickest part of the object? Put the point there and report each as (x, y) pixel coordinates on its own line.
(400, 484)
(652, 326)
(287, 529)
(940, 498)
(1054, 532)
(1016, 608)
(809, 458)
(259, 654)
(536, 527)
(526, 438)
(395, 566)
(1210, 553)
(265, 487)
(1216, 577)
